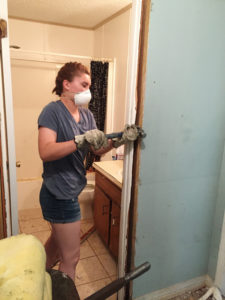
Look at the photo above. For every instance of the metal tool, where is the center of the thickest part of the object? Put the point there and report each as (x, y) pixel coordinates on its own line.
(117, 284)
(114, 135)
(64, 288)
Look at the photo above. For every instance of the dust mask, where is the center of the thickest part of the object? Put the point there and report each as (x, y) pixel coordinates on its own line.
(82, 98)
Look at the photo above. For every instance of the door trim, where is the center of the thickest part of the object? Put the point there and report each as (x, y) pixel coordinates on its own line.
(141, 79)
(220, 268)
(4, 158)
(132, 61)
(9, 139)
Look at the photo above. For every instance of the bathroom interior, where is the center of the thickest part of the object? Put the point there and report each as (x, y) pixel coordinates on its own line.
(41, 41)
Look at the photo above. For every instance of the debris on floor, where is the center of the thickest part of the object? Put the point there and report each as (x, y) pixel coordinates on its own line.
(193, 295)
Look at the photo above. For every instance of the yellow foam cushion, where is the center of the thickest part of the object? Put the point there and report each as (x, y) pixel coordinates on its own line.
(22, 269)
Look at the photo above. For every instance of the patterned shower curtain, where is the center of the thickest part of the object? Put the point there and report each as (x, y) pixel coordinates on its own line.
(97, 105)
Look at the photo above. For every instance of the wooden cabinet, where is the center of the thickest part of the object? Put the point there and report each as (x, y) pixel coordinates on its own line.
(114, 229)
(107, 211)
(102, 214)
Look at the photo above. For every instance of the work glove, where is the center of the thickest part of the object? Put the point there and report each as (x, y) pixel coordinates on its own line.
(130, 134)
(95, 138)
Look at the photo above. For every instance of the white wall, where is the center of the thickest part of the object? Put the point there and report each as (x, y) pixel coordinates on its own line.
(34, 81)
(111, 41)
(32, 90)
(51, 38)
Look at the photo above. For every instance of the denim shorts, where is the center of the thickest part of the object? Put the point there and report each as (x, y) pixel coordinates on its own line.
(58, 210)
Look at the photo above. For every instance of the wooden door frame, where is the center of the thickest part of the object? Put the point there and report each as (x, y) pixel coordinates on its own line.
(7, 131)
(141, 81)
(130, 105)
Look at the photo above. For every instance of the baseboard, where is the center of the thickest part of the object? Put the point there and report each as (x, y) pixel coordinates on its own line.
(208, 281)
(178, 289)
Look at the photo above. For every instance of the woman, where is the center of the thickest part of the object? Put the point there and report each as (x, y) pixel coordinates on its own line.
(66, 131)
(62, 155)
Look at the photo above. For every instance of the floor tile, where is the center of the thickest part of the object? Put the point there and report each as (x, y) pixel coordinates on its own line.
(86, 250)
(89, 270)
(86, 225)
(114, 277)
(108, 263)
(86, 290)
(97, 244)
(33, 225)
(87, 220)
(42, 235)
(27, 214)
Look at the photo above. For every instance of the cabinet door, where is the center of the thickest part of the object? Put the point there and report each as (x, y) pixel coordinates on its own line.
(114, 229)
(102, 214)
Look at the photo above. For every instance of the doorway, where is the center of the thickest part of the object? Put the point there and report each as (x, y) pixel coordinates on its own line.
(129, 116)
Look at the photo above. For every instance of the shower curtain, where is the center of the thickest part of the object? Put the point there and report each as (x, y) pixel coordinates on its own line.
(97, 105)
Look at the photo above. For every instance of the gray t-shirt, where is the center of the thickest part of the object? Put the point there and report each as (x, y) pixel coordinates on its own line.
(65, 177)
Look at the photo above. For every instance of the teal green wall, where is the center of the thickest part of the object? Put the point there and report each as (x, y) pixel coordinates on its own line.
(184, 117)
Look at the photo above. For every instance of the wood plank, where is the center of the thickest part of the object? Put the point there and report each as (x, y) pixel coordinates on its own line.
(141, 79)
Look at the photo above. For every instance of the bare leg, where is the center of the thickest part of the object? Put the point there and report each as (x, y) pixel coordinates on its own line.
(52, 251)
(67, 237)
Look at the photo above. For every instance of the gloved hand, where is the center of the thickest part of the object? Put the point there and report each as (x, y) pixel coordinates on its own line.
(130, 134)
(95, 138)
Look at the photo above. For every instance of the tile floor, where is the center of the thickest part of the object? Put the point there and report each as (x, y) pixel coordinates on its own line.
(96, 267)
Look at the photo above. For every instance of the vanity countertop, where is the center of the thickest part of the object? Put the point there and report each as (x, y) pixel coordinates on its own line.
(112, 169)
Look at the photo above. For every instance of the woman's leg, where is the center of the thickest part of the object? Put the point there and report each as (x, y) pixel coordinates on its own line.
(52, 251)
(67, 237)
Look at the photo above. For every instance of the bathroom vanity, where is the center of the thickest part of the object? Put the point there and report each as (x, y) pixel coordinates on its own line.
(107, 200)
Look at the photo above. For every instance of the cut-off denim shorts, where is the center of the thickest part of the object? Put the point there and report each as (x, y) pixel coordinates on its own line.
(58, 210)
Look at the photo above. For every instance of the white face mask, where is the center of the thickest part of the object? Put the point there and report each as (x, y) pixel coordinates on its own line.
(82, 98)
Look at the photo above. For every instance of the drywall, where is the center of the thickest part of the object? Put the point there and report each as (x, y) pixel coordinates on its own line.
(182, 154)
(51, 38)
(111, 40)
(32, 90)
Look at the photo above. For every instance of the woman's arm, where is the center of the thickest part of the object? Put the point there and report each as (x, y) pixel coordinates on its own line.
(49, 149)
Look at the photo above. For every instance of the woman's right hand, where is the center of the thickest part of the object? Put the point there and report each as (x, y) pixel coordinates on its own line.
(95, 138)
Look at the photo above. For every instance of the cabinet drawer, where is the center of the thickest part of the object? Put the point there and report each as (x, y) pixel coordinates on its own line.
(108, 187)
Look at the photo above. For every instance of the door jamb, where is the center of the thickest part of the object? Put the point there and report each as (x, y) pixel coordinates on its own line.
(132, 62)
(8, 140)
(141, 82)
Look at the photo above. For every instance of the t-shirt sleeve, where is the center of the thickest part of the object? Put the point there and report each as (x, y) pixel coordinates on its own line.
(92, 121)
(48, 118)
